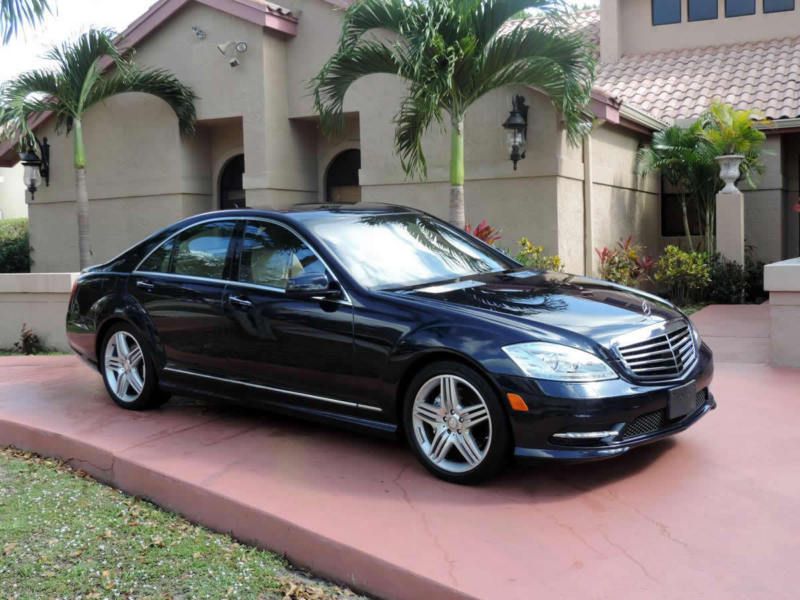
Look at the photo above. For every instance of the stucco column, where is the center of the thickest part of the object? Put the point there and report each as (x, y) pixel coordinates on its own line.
(730, 225)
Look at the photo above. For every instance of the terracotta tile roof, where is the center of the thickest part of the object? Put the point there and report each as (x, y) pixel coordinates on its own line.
(588, 22)
(680, 84)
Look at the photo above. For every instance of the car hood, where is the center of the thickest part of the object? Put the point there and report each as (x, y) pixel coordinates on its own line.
(596, 309)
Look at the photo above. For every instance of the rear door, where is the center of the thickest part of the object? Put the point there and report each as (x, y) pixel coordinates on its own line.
(180, 286)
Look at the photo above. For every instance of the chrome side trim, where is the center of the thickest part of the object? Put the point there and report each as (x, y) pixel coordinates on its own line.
(275, 389)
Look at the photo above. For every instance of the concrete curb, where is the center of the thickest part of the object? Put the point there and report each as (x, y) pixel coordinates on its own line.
(303, 547)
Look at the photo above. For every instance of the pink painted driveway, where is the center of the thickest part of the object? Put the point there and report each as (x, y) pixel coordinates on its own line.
(712, 513)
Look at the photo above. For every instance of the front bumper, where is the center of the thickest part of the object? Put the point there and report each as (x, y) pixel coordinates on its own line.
(637, 412)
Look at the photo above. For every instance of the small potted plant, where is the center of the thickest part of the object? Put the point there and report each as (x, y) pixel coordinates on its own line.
(734, 137)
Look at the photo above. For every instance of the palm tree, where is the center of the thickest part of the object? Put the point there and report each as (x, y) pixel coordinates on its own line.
(16, 13)
(77, 82)
(678, 152)
(451, 53)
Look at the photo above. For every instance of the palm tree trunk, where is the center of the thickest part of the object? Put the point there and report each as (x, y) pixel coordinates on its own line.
(686, 228)
(82, 195)
(457, 212)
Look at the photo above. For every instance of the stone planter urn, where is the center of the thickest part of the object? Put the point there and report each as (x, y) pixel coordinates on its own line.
(729, 171)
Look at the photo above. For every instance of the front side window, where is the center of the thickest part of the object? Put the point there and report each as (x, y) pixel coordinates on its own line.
(666, 12)
(738, 8)
(772, 6)
(200, 251)
(272, 255)
(702, 10)
(391, 251)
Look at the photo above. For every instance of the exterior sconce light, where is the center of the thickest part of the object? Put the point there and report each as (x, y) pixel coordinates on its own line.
(516, 126)
(36, 166)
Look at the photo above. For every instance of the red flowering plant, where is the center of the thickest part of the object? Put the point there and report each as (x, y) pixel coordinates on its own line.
(625, 263)
(484, 232)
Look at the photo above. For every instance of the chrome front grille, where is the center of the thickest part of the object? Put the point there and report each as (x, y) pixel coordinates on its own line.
(667, 354)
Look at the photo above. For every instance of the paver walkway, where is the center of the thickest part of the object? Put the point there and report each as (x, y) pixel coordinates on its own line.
(712, 513)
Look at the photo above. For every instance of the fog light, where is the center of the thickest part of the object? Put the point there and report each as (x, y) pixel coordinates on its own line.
(585, 435)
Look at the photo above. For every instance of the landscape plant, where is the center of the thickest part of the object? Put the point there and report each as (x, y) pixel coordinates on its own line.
(15, 255)
(14, 14)
(450, 53)
(76, 82)
(534, 257)
(484, 232)
(625, 263)
(682, 276)
(686, 158)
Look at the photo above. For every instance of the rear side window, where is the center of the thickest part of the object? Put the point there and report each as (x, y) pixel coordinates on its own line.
(200, 251)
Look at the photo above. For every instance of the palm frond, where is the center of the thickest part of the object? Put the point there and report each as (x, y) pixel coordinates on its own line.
(157, 82)
(345, 68)
(25, 97)
(367, 15)
(416, 114)
(14, 14)
(558, 62)
(490, 16)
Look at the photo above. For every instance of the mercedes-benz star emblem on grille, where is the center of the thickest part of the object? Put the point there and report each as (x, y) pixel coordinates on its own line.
(646, 310)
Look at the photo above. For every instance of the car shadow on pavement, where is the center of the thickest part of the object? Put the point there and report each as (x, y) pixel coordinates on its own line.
(369, 465)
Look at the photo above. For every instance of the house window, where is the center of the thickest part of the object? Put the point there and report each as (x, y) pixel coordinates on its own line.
(772, 6)
(672, 216)
(738, 8)
(666, 12)
(702, 10)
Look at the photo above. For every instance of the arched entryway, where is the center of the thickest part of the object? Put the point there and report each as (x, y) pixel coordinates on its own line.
(231, 190)
(341, 179)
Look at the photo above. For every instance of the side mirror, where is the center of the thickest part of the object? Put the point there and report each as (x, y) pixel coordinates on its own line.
(312, 285)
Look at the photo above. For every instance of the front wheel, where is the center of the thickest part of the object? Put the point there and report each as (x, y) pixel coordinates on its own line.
(455, 424)
(128, 370)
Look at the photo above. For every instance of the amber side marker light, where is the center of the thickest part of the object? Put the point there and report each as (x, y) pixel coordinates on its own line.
(516, 402)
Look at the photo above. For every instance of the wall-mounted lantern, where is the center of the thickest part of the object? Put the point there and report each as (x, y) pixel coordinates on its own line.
(36, 166)
(516, 126)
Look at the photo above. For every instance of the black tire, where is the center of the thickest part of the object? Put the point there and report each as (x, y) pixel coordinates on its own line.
(149, 396)
(422, 435)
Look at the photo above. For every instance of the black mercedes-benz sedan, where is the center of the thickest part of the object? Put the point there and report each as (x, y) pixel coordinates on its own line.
(387, 319)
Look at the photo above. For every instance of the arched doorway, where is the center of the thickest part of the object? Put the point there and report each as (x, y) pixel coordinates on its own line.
(231, 191)
(341, 180)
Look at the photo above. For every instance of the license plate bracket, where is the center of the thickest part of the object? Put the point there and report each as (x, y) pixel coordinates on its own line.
(682, 400)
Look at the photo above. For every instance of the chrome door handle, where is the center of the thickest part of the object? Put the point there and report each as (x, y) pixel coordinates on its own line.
(238, 301)
(145, 285)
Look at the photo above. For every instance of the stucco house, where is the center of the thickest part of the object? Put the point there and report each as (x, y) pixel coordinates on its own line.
(258, 142)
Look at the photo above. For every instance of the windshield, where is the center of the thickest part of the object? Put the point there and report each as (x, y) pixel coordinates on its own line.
(388, 251)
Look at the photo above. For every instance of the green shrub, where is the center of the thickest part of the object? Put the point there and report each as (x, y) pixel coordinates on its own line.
(682, 276)
(534, 257)
(733, 284)
(15, 251)
(625, 263)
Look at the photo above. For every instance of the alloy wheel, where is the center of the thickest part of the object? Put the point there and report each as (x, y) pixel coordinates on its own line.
(125, 366)
(451, 423)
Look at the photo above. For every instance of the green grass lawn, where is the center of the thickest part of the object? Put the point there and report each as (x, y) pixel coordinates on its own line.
(64, 535)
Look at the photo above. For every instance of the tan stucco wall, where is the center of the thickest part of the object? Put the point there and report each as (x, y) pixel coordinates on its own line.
(638, 35)
(39, 301)
(12, 193)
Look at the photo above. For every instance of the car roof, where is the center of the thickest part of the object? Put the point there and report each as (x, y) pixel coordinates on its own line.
(311, 212)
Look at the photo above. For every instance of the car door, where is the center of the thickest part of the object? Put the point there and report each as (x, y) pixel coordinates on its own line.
(180, 285)
(300, 345)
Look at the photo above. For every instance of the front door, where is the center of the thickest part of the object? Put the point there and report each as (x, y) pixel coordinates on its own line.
(181, 286)
(304, 346)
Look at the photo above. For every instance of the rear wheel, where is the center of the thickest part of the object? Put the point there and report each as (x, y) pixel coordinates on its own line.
(128, 370)
(454, 423)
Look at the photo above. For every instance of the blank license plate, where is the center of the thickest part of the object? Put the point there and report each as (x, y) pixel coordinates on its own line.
(682, 400)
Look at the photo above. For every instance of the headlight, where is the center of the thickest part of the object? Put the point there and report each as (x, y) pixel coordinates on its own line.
(543, 360)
